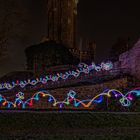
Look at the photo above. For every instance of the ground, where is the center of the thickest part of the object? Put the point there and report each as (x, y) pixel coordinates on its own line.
(69, 125)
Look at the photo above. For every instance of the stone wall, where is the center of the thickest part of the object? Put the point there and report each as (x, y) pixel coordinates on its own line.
(131, 60)
(82, 92)
(89, 91)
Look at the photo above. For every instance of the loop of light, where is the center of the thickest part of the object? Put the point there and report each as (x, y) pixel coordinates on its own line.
(71, 100)
(82, 68)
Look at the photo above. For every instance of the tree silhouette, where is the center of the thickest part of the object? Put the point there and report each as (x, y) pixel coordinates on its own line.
(118, 48)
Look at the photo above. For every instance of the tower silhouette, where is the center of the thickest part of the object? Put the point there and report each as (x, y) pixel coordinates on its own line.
(61, 21)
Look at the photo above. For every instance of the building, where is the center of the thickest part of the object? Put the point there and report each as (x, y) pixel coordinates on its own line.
(61, 27)
(47, 56)
(130, 60)
(87, 52)
(61, 21)
(61, 31)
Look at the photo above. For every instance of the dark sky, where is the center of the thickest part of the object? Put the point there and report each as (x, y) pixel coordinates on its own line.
(102, 21)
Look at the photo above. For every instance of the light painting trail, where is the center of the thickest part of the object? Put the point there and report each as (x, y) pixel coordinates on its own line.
(82, 68)
(71, 100)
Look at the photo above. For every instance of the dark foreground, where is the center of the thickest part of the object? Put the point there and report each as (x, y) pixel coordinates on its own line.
(69, 126)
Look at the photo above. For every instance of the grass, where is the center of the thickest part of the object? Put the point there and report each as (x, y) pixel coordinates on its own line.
(69, 126)
(68, 120)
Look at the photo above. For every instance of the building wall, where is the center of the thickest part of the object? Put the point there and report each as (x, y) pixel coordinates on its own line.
(131, 60)
(61, 18)
(85, 52)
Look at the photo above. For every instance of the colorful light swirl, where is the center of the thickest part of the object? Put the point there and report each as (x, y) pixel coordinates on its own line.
(82, 68)
(71, 100)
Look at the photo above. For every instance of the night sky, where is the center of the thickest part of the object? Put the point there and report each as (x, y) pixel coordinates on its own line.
(102, 21)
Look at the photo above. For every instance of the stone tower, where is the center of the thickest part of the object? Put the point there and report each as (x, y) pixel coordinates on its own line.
(61, 21)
